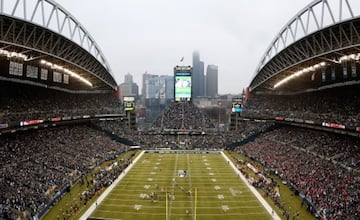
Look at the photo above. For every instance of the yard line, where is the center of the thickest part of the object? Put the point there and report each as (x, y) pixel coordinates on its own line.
(123, 212)
(210, 200)
(108, 218)
(173, 183)
(190, 184)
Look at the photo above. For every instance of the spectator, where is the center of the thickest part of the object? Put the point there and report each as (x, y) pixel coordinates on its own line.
(37, 164)
(304, 163)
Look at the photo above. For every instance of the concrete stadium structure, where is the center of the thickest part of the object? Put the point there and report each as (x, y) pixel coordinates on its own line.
(317, 48)
(43, 35)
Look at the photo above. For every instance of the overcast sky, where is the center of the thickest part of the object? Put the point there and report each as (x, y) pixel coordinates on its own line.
(151, 36)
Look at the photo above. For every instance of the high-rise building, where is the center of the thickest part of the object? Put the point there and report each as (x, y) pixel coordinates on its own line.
(158, 91)
(212, 80)
(161, 87)
(146, 76)
(128, 78)
(198, 78)
(202, 84)
(128, 88)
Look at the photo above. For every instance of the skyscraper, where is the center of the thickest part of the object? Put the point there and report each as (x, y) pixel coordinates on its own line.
(198, 78)
(128, 78)
(146, 76)
(161, 87)
(212, 80)
(129, 88)
(202, 84)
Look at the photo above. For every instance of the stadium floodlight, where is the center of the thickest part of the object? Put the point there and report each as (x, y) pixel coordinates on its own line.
(58, 67)
(343, 58)
(67, 71)
(349, 57)
(12, 54)
(299, 73)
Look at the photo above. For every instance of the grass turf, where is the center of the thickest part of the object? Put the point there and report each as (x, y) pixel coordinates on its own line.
(216, 191)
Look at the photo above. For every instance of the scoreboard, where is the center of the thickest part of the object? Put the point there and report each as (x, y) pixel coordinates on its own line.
(237, 105)
(183, 83)
(129, 103)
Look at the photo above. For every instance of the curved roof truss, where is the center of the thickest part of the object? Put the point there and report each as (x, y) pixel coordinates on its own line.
(316, 16)
(51, 16)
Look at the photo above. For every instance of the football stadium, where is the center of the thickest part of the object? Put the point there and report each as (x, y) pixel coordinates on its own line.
(71, 148)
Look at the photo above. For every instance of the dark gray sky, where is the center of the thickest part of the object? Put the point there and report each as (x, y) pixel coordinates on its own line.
(152, 35)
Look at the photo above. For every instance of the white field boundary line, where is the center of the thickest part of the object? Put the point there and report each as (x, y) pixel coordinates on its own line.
(190, 184)
(252, 189)
(92, 208)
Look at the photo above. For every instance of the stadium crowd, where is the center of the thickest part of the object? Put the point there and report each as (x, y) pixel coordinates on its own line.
(312, 162)
(337, 105)
(25, 102)
(183, 115)
(245, 129)
(322, 167)
(158, 138)
(35, 165)
(179, 127)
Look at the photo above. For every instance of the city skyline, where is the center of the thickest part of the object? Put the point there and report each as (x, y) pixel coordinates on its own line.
(210, 83)
(139, 36)
(200, 79)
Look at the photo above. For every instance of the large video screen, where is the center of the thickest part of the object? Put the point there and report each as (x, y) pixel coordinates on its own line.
(237, 105)
(129, 103)
(182, 86)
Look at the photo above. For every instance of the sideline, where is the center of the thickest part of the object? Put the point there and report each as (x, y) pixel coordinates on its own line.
(92, 208)
(252, 189)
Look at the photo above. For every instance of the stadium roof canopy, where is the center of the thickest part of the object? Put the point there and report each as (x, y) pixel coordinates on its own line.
(318, 48)
(43, 33)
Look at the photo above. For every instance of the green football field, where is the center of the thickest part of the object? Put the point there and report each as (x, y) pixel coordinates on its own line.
(180, 186)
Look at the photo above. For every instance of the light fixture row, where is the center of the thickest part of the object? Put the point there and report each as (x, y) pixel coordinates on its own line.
(299, 73)
(12, 54)
(65, 70)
